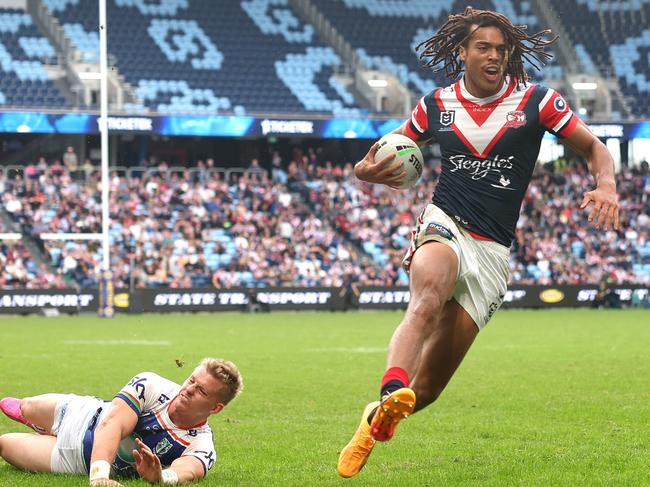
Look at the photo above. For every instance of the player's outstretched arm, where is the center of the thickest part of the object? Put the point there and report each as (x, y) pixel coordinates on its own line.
(182, 470)
(116, 425)
(601, 165)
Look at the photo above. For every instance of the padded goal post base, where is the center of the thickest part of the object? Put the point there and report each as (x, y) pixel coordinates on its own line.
(106, 307)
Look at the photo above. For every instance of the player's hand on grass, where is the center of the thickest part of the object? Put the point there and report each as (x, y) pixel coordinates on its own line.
(384, 171)
(605, 210)
(147, 463)
(105, 483)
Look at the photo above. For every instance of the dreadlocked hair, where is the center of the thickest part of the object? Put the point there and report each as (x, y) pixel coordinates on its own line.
(444, 46)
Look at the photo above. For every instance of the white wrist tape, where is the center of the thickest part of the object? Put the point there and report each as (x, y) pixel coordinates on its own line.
(100, 469)
(169, 477)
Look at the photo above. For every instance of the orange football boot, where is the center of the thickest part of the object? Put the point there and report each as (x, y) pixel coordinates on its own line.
(355, 454)
(394, 407)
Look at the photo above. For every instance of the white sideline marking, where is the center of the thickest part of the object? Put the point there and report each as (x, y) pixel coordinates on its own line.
(148, 343)
(350, 350)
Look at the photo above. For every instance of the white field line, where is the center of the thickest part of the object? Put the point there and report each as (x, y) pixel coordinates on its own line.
(350, 350)
(146, 343)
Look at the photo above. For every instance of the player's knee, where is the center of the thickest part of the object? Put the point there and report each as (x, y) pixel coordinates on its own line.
(28, 406)
(427, 307)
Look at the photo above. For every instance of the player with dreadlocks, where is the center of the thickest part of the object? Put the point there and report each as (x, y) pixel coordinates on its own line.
(489, 124)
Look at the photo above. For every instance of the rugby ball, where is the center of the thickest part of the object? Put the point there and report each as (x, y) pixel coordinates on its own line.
(406, 151)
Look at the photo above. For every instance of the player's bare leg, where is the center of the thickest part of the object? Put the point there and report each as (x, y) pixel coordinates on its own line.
(36, 412)
(28, 451)
(432, 279)
(443, 352)
(433, 272)
(433, 275)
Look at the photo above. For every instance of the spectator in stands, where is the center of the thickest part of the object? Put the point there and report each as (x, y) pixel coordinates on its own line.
(54, 203)
(458, 257)
(13, 205)
(278, 174)
(87, 168)
(57, 169)
(42, 165)
(71, 161)
(31, 171)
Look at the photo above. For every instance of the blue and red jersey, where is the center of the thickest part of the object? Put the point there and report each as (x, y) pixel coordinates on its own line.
(489, 148)
(149, 396)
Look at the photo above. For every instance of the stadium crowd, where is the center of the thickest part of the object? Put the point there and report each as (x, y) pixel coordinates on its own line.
(304, 223)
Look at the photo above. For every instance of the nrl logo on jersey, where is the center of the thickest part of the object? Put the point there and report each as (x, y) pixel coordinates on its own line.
(516, 119)
(447, 117)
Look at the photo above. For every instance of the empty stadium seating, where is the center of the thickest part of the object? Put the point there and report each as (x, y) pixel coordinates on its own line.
(23, 51)
(259, 56)
(248, 56)
(385, 33)
(615, 37)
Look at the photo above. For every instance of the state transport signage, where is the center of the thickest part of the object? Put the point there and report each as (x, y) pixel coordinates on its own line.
(25, 301)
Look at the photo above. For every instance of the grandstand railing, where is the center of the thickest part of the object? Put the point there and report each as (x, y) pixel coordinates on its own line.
(198, 174)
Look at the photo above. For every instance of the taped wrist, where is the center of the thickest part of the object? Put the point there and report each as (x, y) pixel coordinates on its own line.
(100, 469)
(169, 477)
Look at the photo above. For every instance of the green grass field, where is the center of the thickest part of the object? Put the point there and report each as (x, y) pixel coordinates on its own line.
(543, 398)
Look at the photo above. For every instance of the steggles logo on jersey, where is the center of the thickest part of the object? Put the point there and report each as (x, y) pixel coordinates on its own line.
(447, 117)
(515, 119)
(504, 182)
(479, 168)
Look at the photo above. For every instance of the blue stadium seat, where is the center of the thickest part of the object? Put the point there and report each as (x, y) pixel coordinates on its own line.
(23, 51)
(181, 57)
(385, 34)
(615, 36)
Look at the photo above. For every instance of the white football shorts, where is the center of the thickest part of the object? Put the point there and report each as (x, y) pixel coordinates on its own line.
(72, 416)
(482, 278)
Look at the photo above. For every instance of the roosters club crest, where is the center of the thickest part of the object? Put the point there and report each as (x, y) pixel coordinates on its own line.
(447, 118)
(516, 119)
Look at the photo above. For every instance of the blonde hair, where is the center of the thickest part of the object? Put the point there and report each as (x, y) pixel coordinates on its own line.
(228, 374)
